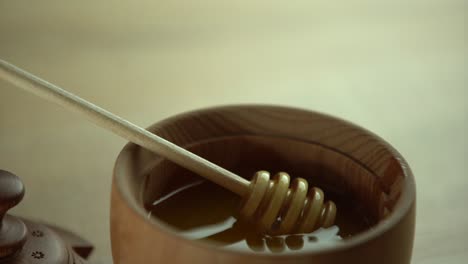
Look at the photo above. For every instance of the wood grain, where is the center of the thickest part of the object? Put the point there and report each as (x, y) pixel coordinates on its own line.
(273, 137)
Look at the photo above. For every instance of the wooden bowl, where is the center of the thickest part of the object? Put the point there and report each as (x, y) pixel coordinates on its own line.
(343, 157)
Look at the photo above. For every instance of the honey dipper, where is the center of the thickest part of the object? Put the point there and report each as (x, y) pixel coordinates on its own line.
(270, 203)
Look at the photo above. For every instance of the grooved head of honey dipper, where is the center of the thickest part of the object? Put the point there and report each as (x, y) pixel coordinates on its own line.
(277, 209)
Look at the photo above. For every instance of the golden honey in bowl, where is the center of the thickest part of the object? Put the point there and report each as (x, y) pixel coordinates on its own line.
(206, 212)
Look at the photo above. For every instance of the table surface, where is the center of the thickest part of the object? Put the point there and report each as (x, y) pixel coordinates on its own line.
(398, 68)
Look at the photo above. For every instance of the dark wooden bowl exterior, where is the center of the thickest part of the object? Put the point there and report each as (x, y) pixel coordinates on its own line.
(360, 163)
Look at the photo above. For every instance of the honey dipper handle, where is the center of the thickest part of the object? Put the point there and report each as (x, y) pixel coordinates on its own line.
(123, 128)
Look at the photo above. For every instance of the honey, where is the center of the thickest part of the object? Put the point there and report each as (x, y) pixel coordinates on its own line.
(206, 212)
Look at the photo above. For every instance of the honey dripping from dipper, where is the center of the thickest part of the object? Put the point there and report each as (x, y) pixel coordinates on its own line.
(206, 212)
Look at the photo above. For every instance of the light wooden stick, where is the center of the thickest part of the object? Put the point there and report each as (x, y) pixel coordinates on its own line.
(124, 128)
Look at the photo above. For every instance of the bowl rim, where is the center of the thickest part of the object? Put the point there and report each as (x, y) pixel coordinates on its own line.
(402, 207)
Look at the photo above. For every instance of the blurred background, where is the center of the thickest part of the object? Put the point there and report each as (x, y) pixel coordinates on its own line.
(398, 68)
